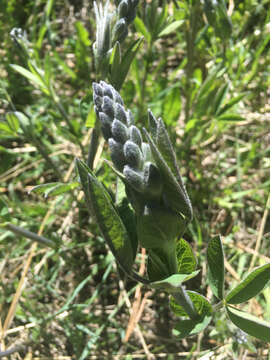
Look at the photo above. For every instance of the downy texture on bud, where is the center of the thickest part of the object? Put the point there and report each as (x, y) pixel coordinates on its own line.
(129, 154)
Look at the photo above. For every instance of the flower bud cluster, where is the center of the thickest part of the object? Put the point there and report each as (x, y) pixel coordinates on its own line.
(126, 13)
(130, 155)
(111, 27)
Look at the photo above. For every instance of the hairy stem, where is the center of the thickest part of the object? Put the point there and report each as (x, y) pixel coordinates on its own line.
(184, 300)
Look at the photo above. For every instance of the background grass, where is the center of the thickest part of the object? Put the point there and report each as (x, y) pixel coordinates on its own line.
(211, 87)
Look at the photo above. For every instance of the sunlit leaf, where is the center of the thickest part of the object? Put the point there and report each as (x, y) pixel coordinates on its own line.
(185, 257)
(252, 285)
(215, 261)
(189, 327)
(172, 283)
(249, 323)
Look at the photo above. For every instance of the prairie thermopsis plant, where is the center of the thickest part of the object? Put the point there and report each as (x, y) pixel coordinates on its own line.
(151, 209)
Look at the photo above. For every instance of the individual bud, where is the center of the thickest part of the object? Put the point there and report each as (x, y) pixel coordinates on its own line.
(119, 131)
(134, 178)
(120, 30)
(117, 98)
(120, 113)
(98, 90)
(147, 155)
(152, 180)
(131, 15)
(117, 154)
(107, 89)
(135, 135)
(133, 155)
(97, 101)
(130, 118)
(106, 124)
(123, 9)
(108, 106)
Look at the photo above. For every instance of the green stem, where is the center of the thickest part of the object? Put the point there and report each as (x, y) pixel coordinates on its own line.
(30, 235)
(93, 145)
(184, 300)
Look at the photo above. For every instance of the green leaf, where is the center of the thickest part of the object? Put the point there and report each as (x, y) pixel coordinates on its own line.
(185, 257)
(30, 76)
(230, 104)
(173, 282)
(53, 189)
(220, 97)
(249, 323)
(171, 28)
(215, 260)
(82, 33)
(174, 189)
(87, 111)
(192, 327)
(171, 107)
(250, 286)
(140, 27)
(100, 205)
(119, 73)
(116, 59)
(13, 123)
(126, 213)
(230, 117)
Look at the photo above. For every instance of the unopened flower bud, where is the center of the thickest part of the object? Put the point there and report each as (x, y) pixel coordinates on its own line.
(147, 156)
(133, 155)
(123, 8)
(107, 106)
(134, 178)
(135, 135)
(119, 131)
(105, 125)
(98, 90)
(107, 90)
(120, 113)
(152, 180)
(120, 30)
(117, 154)
(130, 118)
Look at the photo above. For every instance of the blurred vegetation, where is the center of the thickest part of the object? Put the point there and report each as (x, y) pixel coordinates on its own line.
(204, 67)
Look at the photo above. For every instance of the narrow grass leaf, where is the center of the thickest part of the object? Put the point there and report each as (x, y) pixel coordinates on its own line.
(252, 285)
(13, 123)
(140, 27)
(230, 104)
(249, 323)
(53, 189)
(171, 28)
(30, 76)
(215, 260)
(230, 117)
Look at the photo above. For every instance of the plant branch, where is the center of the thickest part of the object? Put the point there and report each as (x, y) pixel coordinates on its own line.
(30, 235)
(184, 300)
